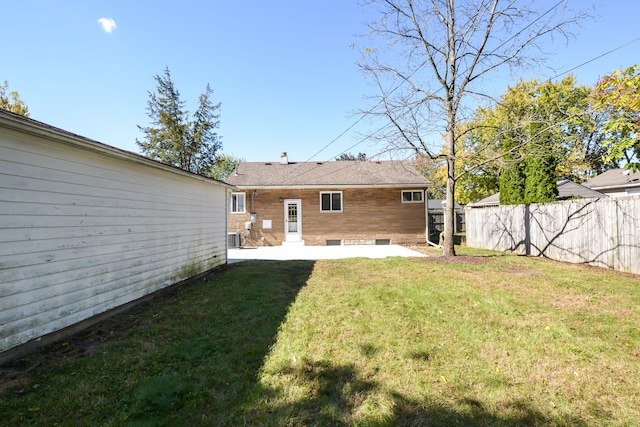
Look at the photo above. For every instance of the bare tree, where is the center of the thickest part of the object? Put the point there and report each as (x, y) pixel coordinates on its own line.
(436, 56)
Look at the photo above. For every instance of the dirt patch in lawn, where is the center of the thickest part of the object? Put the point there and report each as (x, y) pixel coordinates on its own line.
(458, 259)
(598, 304)
(15, 374)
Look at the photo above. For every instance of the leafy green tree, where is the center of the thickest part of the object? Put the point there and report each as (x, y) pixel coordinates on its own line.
(174, 139)
(476, 178)
(223, 167)
(476, 166)
(10, 100)
(435, 172)
(511, 121)
(550, 127)
(617, 95)
(535, 135)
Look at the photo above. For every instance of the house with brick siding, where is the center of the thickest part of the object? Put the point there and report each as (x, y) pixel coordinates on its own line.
(327, 203)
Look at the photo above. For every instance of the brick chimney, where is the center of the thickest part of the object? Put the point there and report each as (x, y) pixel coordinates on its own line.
(284, 159)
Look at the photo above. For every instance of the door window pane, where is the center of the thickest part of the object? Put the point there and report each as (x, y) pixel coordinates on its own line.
(292, 218)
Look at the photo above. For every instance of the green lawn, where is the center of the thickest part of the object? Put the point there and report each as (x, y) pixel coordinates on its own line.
(480, 340)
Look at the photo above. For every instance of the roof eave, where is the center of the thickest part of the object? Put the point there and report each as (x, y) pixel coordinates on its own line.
(328, 186)
(617, 186)
(42, 130)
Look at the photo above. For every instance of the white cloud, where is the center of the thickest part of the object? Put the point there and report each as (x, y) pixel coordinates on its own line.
(108, 24)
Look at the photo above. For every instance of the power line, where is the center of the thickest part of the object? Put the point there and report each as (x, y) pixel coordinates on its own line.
(438, 90)
(596, 58)
(549, 79)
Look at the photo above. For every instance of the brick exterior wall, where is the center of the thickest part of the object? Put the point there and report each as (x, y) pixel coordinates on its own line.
(367, 214)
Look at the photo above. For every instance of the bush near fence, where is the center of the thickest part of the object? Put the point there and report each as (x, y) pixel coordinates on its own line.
(603, 232)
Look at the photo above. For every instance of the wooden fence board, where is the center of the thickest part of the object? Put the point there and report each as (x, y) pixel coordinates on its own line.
(602, 232)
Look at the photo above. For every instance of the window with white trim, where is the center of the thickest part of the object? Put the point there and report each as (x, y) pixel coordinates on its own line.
(331, 201)
(412, 196)
(238, 203)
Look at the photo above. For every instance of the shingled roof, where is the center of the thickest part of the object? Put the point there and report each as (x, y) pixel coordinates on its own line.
(614, 178)
(566, 190)
(327, 174)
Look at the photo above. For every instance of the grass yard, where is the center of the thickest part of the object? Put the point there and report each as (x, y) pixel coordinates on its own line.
(487, 339)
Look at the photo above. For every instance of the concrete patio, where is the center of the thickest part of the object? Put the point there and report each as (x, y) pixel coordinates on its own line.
(300, 252)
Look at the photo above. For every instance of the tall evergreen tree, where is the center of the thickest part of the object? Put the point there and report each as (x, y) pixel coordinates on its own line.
(175, 140)
(512, 175)
(546, 125)
(540, 184)
(224, 166)
(10, 100)
(205, 143)
(512, 116)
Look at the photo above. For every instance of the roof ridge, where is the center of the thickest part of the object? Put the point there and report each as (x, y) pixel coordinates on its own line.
(360, 173)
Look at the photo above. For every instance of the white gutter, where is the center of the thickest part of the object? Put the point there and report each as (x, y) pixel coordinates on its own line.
(325, 186)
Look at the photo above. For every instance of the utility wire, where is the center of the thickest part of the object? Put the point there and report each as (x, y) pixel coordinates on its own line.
(439, 89)
(411, 75)
(547, 80)
(596, 58)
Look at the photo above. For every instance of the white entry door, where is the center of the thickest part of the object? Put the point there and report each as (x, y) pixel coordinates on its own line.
(292, 220)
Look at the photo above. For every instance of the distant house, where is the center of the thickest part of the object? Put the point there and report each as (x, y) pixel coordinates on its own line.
(436, 219)
(566, 190)
(616, 183)
(327, 203)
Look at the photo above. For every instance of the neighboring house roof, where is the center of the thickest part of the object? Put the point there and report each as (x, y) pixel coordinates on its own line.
(566, 190)
(437, 204)
(493, 200)
(326, 174)
(614, 179)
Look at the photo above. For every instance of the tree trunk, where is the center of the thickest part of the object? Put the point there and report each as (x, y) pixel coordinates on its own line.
(449, 208)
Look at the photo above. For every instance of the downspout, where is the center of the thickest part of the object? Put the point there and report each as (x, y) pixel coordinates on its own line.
(227, 192)
(253, 202)
(426, 214)
(455, 219)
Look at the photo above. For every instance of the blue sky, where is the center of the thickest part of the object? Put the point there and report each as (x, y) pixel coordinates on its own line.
(283, 70)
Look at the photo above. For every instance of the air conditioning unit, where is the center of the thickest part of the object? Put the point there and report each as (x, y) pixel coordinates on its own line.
(234, 240)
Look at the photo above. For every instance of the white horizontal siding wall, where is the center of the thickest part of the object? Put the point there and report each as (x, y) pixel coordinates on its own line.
(82, 232)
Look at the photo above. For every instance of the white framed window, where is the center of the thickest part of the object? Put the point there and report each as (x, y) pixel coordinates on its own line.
(412, 196)
(331, 201)
(238, 204)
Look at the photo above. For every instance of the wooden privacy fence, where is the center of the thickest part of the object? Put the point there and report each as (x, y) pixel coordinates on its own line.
(603, 232)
